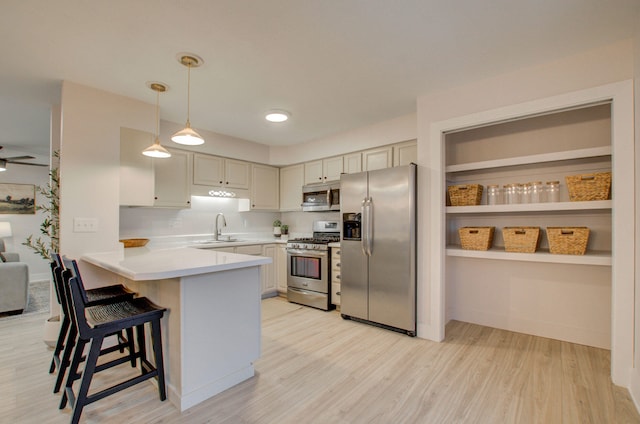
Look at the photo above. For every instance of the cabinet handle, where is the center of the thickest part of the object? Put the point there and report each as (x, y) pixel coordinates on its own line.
(338, 293)
(338, 264)
(338, 277)
(220, 182)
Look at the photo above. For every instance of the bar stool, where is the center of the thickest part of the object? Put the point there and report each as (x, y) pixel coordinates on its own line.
(94, 323)
(68, 330)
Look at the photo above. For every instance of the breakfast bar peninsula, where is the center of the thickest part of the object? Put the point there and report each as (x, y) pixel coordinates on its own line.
(211, 332)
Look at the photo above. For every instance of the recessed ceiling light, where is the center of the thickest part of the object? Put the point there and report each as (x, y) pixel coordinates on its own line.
(277, 115)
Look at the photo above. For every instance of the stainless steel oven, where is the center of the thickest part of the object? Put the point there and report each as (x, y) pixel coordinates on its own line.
(308, 267)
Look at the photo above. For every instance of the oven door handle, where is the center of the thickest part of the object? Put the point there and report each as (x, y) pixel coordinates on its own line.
(305, 252)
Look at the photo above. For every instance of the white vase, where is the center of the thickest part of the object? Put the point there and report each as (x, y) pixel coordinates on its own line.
(51, 331)
(277, 231)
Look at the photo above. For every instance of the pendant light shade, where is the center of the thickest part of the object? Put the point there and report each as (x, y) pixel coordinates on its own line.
(188, 135)
(3, 165)
(156, 150)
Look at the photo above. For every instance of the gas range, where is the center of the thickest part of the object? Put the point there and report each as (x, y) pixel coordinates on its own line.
(312, 243)
(324, 232)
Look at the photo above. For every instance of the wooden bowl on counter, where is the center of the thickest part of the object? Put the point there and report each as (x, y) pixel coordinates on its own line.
(136, 242)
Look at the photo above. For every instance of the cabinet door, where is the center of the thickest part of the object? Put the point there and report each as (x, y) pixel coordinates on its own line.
(353, 163)
(265, 188)
(269, 285)
(208, 170)
(405, 153)
(313, 172)
(291, 182)
(237, 173)
(377, 159)
(281, 268)
(136, 169)
(332, 168)
(172, 180)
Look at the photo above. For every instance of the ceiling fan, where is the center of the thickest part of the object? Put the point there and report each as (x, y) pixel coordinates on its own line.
(17, 160)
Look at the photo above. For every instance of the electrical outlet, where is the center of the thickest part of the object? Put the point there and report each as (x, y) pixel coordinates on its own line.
(85, 225)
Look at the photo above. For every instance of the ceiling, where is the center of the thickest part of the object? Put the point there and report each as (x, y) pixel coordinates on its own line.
(334, 64)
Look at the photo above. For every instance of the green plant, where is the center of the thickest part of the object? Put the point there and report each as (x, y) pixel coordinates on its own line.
(284, 228)
(50, 227)
(277, 223)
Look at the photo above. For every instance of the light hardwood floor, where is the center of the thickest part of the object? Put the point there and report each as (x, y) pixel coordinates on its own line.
(317, 368)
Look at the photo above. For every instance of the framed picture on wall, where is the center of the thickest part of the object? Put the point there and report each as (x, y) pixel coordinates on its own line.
(17, 199)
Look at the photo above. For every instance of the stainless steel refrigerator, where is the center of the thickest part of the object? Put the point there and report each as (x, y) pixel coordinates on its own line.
(378, 247)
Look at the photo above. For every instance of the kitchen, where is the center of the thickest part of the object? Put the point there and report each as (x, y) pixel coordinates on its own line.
(93, 121)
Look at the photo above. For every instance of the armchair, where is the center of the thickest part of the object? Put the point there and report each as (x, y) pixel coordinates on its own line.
(14, 282)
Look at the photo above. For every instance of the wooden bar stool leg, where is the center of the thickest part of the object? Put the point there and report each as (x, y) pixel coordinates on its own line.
(156, 337)
(64, 328)
(132, 346)
(73, 371)
(87, 374)
(142, 345)
(66, 357)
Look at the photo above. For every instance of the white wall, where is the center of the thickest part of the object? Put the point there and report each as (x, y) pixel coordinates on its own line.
(386, 132)
(22, 226)
(217, 144)
(89, 164)
(634, 386)
(199, 219)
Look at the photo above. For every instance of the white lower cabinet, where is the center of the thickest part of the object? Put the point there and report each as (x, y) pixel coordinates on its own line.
(335, 275)
(269, 271)
(281, 268)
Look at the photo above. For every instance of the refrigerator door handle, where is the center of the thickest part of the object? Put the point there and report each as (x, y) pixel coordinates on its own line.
(369, 225)
(363, 235)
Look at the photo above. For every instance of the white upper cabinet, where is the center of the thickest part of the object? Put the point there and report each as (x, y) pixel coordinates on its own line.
(405, 153)
(208, 170)
(332, 168)
(237, 173)
(265, 188)
(136, 170)
(377, 158)
(353, 163)
(173, 180)
(313, 172)
(220, 172)
(320, 171)
(291, 182)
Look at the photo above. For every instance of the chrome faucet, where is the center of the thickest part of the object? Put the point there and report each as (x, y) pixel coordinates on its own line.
(219, 230)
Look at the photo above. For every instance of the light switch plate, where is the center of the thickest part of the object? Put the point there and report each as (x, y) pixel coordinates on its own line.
(85, 225)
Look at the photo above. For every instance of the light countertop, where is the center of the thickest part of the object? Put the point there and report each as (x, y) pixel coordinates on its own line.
(142, 263)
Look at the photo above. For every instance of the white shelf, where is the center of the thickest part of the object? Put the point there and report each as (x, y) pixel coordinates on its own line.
(591, 258)
(532, 159)
(532, 207)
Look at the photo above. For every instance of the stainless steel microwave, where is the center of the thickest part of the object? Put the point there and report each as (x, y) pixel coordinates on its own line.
(321, 197)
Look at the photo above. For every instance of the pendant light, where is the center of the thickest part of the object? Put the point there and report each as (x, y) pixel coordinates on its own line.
(156, 150)
(188, 136)
(3, 165)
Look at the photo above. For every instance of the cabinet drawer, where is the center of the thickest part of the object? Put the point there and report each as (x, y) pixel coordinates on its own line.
(335, 293)
(255, 249)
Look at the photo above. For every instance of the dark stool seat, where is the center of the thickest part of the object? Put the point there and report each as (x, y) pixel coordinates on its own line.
(109, 294)
(68, 331)
(94, 323)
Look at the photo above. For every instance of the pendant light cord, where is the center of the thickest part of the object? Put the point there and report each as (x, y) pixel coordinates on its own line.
(188, 93)
(158, 116)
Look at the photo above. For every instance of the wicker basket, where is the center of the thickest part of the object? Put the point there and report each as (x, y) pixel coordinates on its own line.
(521, 239)
(568, 240)
(476, 238)
(138, 242)
(465, 195)
(589, 186)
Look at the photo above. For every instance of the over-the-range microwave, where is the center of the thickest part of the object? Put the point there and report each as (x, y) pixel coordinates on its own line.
(321, 197)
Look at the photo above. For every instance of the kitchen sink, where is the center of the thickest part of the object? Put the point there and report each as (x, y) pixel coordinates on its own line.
(221, 240)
